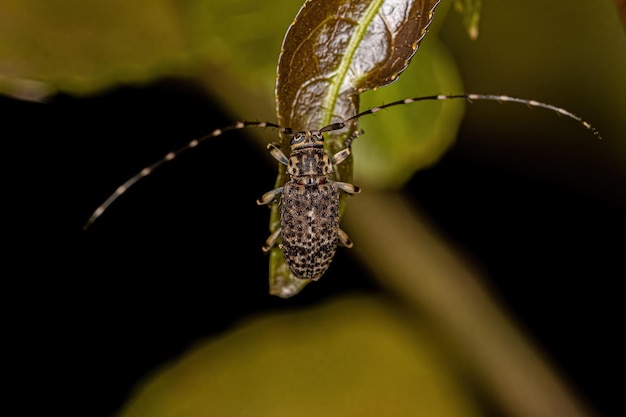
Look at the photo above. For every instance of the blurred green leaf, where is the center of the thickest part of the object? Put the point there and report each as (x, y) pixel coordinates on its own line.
(83, 47)
(356, 356)
(400, 141)
(80, 46)
(86, 46)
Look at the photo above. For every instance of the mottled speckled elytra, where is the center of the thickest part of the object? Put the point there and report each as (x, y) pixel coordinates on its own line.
(309, 215)
(309, 202)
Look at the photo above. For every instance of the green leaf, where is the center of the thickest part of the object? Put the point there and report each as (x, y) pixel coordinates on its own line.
(399, 142)
(333, 51)
(358, 356)
(83, 46)
(337, 49)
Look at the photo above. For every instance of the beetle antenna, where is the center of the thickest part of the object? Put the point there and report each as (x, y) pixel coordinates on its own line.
(170, 156)
(469, 98)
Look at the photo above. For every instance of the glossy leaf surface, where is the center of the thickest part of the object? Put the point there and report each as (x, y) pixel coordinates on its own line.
(336, 49)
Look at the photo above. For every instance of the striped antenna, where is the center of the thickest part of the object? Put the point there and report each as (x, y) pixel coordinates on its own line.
(168, 157)
(470, 98)
(331, 127)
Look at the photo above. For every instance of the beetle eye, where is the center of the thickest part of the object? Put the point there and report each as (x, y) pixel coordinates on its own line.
(297, 138)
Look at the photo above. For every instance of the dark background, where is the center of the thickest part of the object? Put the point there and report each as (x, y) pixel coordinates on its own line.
(92, 312)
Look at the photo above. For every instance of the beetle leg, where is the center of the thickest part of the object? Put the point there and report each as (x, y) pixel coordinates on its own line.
(348, 188)
(356, 134)
(269, 196)
(271, 241)
(344, 240)
(274, 150)
(341, 156)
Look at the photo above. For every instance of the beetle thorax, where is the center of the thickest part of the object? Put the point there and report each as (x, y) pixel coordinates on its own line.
(308, 160)
(312, 162)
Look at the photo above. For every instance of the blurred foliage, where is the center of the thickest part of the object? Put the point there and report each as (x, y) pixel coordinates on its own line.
(83, 47)
(335, 352)
(470, 9)
(355, 356)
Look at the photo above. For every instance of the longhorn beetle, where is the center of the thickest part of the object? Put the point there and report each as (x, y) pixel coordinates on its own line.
(309, 201)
